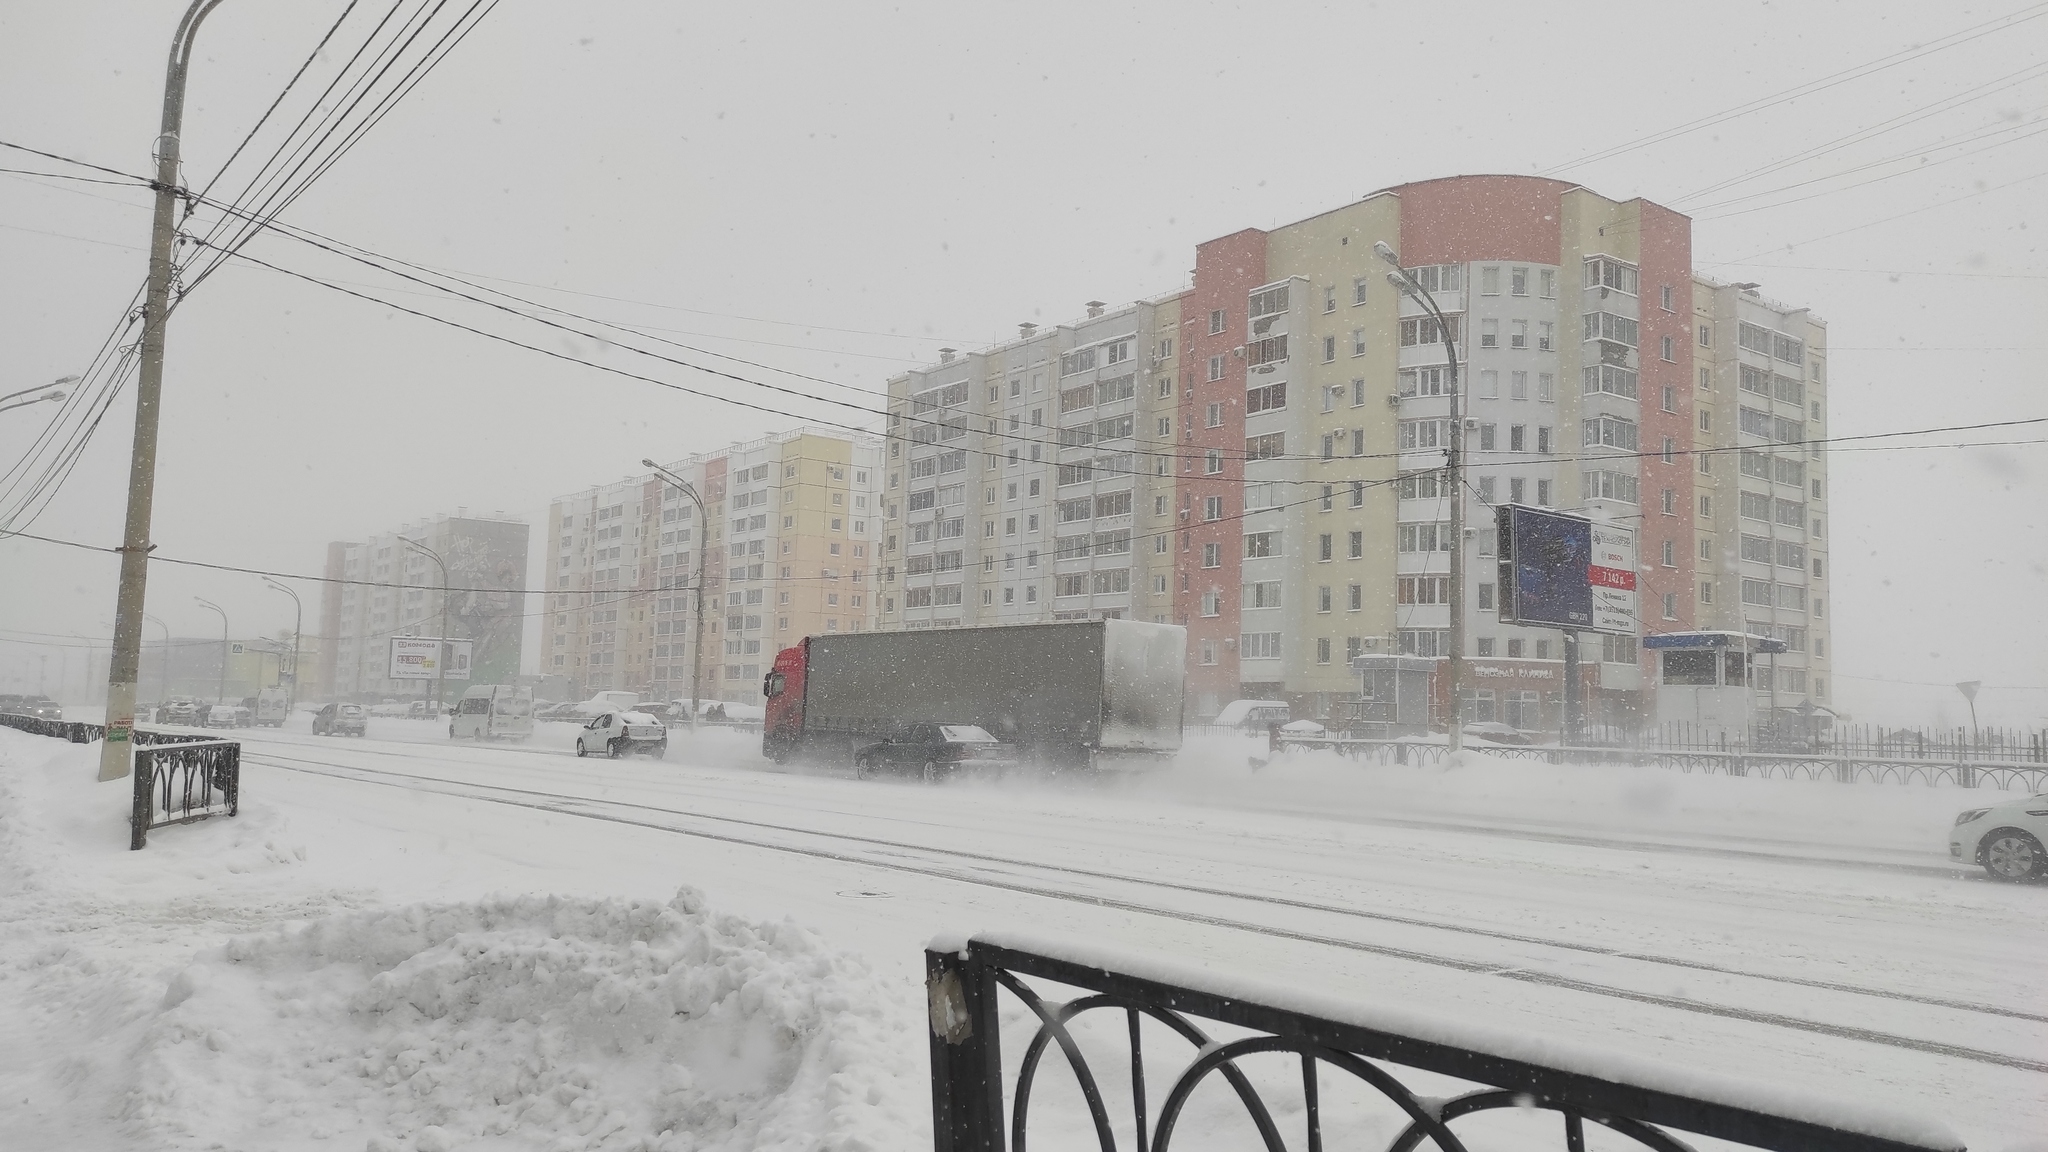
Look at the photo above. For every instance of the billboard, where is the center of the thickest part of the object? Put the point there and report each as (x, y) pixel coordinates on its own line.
(1562, 571)
(1612, 575)
(419, 658)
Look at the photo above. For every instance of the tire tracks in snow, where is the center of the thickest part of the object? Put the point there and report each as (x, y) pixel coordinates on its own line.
(611, 811)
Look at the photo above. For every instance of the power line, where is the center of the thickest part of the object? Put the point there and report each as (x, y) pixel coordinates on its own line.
(1882, 63)
(1884, 220)
(286, 91)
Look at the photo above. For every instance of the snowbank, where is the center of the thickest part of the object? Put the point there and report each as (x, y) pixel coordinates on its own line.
(228, 988)
(536, 1022)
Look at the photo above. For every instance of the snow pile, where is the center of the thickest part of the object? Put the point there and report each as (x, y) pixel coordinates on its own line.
(538, 1022)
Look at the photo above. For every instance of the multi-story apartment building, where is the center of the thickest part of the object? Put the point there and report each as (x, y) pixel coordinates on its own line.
(789, 550)
(401, 594)
(1762, 478)
(1035, 481)
(1300, 515)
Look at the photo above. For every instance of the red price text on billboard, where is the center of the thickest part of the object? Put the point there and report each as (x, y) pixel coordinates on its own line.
(1620, 578)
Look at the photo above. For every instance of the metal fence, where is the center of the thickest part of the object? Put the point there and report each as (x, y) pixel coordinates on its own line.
(968, 1070)
(1842, 767)
(178, 778)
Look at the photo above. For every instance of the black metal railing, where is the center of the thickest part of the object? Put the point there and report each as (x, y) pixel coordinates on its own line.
(181, 780)
(1845, 768)
(964, 983)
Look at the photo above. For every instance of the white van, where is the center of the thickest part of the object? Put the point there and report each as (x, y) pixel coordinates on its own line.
(493, 712)
(273, 708)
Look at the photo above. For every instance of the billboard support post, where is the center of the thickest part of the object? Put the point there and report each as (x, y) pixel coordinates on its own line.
(1574, 692)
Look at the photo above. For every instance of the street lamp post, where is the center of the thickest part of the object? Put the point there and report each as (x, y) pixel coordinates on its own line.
(298, 621)
(125, 665)
(703, 560)
(441, 657)
(55, 392)
(220, 694)
(1455, 468)
(163, 684)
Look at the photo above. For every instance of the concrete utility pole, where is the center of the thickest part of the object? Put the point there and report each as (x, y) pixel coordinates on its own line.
(220, 694)
(163, 663)
(124, 666)
(1455, 469)
(443, 648)
(298, 621)
(703, 560)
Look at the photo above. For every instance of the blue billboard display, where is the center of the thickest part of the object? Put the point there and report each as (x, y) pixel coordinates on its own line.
(1545, 558)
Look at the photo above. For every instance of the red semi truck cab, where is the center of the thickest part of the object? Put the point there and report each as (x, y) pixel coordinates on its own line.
(783, 727)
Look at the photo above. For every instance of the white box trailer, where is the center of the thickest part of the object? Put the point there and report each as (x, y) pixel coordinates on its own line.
(1064, 693)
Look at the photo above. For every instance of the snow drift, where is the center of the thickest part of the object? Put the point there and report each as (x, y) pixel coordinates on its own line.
(537, 1022)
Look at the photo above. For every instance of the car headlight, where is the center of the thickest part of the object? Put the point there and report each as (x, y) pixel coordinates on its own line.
(1965, 817)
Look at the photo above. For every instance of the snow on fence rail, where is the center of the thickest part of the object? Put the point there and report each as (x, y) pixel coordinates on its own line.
(1638, 1099)
(1840, 767)
(178, 778)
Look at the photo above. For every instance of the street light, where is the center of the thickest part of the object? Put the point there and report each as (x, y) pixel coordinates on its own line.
(163, 687)
(1455, 467)
(220, 694)
(703, 559)
(441, 656)
(298, 619)
(1969, 690)
(55, 392)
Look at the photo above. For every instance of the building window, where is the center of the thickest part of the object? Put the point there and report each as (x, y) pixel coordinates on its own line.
(1329, 298)
(1518, 334)
(1322, 649)
(1489, 332)
(1357, 548)
(1489, 281)
(1208, 650)
(1485, 599)
(1356, 599)
(1212, 555)
(1664, 298)
(1671, 605)
(1484, 645)
(1329, 349)
(1358, 290)
(1358, 341)
(1518, 282)
(1548, 279)
(1217, 319)
(1215, 368)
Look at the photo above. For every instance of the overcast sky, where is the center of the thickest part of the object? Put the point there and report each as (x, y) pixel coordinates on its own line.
(839, 190)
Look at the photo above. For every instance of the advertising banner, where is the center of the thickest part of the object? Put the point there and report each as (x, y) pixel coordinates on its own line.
(1562, 571)
(419, 658)
(1544, 559)
(1613, 579)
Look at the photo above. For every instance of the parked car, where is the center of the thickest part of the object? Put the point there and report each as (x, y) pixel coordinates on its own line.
(10, 703)
(2005, 839)
(179, 710)
(618, 734)
(341, 720)
(934, 750)
(1494, 732)
(227, 716)
(1253, 715)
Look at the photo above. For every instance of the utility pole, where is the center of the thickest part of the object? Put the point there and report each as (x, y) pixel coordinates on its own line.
(125, 663)
(220, 694)
(298, 621)
(703, 560)
(163, 663)
(1454, 461)
(442, 647)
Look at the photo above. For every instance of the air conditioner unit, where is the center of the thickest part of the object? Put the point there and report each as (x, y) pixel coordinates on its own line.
(1238, 351)
(1393, 399)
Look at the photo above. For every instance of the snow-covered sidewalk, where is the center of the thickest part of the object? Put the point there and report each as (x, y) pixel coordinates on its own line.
(215, 991)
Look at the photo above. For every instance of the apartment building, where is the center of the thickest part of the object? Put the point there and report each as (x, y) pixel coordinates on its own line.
(1761, 402)
(1282, 427)
(1034, 481)
(401, 594)
(789, 550)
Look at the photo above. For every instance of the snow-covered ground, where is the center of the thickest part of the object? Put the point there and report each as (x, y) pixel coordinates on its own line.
(407, 944)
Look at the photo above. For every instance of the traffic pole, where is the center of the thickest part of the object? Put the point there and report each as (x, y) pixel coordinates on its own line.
(125, 658)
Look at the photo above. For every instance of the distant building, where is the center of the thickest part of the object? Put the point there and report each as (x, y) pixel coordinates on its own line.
(794, 524)
(396, 590)
(1035, 481)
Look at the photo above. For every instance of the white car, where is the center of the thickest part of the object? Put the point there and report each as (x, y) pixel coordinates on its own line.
(616, 734)
(2005, 839)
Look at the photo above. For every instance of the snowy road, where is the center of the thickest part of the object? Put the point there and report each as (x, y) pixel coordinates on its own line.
(1805, 933)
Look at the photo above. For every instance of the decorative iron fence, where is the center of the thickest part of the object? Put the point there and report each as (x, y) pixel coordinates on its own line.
(1840, 767)
(964, 982)
(178, 782)
(179, 778)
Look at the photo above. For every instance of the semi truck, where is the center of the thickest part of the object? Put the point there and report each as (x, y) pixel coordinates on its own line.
(1064, 694)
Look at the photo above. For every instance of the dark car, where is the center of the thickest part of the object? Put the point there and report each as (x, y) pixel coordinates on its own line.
(935, 750)
(340, 720)
(10, 703)
(40, 707)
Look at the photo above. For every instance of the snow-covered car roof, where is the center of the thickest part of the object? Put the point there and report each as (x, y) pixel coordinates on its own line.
(1235, 711)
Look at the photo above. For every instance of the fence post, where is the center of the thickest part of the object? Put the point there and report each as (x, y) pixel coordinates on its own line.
(967, 1062)
(143, 769)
